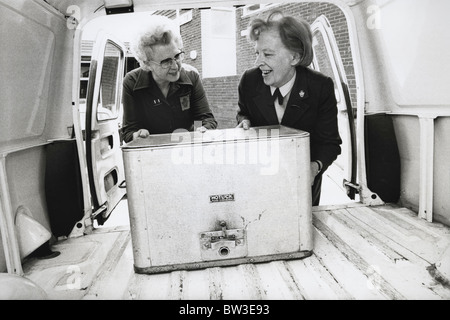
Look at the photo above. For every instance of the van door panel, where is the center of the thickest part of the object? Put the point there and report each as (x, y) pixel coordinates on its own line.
(327, 60)
(102, 121)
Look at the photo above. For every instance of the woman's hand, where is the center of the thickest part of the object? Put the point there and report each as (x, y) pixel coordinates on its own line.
(315, 169)
(202, 129)
(141, 133)
(244, 124)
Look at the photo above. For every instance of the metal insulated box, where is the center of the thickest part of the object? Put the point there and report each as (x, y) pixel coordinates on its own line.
(218, 198)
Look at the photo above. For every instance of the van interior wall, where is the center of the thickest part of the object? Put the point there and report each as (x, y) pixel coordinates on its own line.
(404, 73)
(37, 75)
(36, 86)
(25, 170)
(407, 130)
(59, 119)
(25, 173)
(382, 157)
(3, 267)
(442, 170)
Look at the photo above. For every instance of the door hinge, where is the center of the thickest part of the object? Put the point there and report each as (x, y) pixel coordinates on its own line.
(103, 208)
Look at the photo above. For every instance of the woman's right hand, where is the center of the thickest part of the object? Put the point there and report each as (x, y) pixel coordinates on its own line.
(141, 133)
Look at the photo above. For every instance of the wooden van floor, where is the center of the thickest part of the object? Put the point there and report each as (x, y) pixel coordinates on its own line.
(360, 252)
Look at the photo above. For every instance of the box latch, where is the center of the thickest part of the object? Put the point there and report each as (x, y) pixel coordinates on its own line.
(223, 244)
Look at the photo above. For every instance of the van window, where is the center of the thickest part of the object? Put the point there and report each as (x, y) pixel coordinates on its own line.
(108, 107)
(322, 61)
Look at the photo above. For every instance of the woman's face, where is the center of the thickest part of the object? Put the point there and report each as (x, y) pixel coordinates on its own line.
(161, 53)
(276, 62)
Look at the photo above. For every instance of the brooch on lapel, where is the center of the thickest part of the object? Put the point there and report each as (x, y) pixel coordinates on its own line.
(302, 94)
(185, 104)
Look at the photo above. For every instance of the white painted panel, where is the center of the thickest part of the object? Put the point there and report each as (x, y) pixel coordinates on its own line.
(414, 39)
(25, 64)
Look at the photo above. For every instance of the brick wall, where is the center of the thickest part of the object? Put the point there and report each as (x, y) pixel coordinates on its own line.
(192, 40)
(223, 96)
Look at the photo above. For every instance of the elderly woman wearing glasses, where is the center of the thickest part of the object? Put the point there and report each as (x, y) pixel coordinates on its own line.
(162, 95)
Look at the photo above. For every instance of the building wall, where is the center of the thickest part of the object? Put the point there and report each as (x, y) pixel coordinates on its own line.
(192, 40)
(221, 91)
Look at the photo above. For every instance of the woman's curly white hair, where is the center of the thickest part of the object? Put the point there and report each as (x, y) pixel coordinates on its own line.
(158, 30)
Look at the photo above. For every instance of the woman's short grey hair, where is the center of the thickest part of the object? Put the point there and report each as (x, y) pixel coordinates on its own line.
(158, 30)
(295, 34)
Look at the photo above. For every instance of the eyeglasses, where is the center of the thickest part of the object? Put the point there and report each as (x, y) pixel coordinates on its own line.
(167, 63)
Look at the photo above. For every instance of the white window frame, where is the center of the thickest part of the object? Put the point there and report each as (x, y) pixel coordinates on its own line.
(213, 64)
(262, 7)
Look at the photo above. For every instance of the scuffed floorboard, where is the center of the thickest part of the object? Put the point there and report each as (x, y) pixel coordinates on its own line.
(360, 253)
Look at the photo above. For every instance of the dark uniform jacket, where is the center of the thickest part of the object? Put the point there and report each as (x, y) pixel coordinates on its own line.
(311, 107)
(145, 107)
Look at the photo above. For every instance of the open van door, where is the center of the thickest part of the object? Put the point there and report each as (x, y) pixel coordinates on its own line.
(327, 60)
(101, 122)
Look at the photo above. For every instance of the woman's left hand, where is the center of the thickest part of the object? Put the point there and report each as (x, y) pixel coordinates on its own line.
(314, 169)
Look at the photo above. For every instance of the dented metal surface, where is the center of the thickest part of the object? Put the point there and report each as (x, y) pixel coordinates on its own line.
(231, 220)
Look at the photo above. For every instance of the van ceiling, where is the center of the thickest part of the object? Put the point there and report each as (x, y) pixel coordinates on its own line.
(89, 7)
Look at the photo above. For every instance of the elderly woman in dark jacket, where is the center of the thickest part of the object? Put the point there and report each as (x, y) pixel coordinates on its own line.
(163, 94)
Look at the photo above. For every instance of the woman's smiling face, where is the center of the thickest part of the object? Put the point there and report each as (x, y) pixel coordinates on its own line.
(162, 52)
(276, 62)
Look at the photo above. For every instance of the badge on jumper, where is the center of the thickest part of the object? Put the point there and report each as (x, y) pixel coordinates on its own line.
(185, 103)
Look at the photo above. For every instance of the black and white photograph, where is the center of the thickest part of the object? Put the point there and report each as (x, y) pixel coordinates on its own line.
(225, 156)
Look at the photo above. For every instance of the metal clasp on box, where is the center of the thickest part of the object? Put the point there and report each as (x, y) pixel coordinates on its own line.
(223, 244)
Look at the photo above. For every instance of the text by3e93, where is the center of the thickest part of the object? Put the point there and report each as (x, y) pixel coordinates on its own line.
(245, 309)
